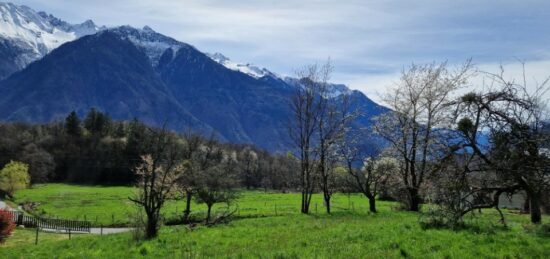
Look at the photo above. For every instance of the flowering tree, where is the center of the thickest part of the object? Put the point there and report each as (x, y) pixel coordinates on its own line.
(14, 176)
(158, 175)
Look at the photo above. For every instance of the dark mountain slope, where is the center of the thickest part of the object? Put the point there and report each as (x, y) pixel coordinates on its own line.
(241, 108)
(8, 58)
(129, 73)
(102, 71)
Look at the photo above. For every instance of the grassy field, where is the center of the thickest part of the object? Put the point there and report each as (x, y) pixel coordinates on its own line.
(25, 237)
(109, 206)
(350, 232)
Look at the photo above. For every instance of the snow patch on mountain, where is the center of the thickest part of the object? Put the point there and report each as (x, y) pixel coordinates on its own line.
(333, 90)
(249, 69)
(34, 34)
(153, 43)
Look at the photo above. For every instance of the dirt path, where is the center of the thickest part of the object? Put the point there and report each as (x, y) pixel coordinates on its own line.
(93, 231)
(106, 231)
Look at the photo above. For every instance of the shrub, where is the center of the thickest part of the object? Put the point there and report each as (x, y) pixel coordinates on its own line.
(6, 225)
(14, 176)
(437, 218)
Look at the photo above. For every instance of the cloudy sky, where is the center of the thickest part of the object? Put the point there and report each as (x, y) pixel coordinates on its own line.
(369, 42)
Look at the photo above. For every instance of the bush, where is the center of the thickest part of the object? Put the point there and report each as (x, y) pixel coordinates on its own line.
(438, 218)
(6, 225)
(14, 176)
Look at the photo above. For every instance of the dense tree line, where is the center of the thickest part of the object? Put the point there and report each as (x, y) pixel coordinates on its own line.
(99, 150)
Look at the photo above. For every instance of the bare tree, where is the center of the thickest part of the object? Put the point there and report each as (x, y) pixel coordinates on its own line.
(217, 183)
(415, 129)
(203, 155)
(514, 117)
(158, 174)
(318, 126)
(460, 189)
(283, 173)
(306, 108)
(187, 182)
(333, 122)
(368, 178)
(250, 165)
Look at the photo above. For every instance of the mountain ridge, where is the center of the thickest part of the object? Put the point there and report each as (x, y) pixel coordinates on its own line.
(27, 35)
(139, 73)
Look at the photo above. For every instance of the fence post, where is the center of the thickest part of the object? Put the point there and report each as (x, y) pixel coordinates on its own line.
(20, 219)
(69, 234)
(316, 207)
(101, 231)
(36, 238)
(113, 218)
(275, 209)
(352, 207)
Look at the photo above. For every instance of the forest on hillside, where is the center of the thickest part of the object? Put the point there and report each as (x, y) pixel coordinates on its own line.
(101, 151)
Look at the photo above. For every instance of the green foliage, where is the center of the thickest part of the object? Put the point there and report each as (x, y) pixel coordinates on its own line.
(470, 97)
(466, 126)
(14, 176)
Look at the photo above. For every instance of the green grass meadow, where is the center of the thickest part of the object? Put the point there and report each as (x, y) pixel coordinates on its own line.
(350, 232)
(110, 206)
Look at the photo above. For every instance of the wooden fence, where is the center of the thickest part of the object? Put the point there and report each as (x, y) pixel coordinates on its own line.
(60, 224)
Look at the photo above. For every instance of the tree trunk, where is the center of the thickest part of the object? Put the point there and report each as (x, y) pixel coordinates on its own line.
(327, 202)
(526, 204)
(372, 204)
(187, 211)
(534, 208)
(414, 200)
(151, 230)
(305, 205)
(208, 213)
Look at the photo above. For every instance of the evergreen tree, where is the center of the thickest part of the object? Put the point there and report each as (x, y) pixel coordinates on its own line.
(120, 132)
(97, 122)
(72, 125)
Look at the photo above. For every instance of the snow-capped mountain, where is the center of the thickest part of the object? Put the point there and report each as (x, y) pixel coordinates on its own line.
(151, 42)
(139, 73)
(334, 90)
(27, 35)
(249, 69)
